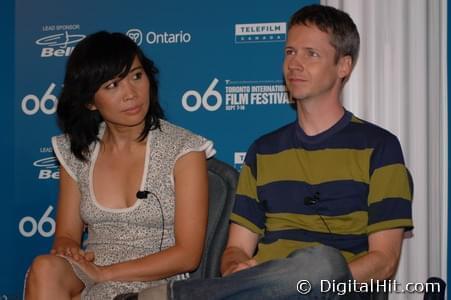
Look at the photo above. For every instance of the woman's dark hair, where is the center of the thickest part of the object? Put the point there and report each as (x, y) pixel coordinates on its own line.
(98, 58)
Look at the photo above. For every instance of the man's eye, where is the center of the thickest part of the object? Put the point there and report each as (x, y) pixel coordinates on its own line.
(289, 52)
(313, 54)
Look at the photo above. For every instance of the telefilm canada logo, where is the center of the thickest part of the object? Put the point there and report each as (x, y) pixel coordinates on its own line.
(235, 95)
(238, 159)
(260, 33)
(155, 38)
(60, 40)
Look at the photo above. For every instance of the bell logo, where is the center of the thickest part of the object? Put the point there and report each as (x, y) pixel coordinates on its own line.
(47, 168)
(50, 52)
(58, 45)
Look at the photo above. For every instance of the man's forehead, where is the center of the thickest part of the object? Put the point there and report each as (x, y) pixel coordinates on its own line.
(307, 33)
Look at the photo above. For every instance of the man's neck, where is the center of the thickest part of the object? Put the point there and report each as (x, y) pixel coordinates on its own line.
(317, 117)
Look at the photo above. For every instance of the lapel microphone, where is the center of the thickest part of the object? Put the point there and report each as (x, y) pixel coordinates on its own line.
(309, 200)
(312, 201)
(142, 194)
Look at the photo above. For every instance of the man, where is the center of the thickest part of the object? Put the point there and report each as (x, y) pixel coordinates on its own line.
(326, 197)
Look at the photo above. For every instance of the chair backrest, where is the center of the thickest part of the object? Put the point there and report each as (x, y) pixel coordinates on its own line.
(222, 181)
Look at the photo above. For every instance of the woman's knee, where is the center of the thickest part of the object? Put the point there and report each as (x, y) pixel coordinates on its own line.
(47, 267)
(52, 274)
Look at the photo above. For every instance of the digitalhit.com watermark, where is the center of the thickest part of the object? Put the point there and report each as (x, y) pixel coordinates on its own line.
(341, 288)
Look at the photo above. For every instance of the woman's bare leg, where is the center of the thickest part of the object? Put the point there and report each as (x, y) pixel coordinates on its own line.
(52, 277)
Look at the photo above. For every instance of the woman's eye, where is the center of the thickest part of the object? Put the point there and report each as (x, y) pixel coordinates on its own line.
(111, 85)
(138, 75)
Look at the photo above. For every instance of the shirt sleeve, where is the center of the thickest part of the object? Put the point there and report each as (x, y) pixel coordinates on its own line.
(193, 142)
(61, 147)
(248, 211)
(390, 190)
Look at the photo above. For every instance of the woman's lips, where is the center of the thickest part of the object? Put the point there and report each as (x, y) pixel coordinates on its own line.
(133, 110)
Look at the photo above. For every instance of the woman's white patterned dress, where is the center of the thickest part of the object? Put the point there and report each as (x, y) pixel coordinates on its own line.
(117, 235)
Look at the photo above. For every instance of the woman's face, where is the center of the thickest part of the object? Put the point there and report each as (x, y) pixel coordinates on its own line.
(124, 101)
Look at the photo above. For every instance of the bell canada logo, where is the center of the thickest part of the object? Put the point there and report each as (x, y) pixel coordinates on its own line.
(59, 45)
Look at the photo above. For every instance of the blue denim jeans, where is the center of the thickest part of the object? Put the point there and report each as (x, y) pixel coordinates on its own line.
(277, 279)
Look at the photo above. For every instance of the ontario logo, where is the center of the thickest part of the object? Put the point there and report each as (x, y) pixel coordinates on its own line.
(260, 33)
(59, 44)
(136, 35)
(155, 38)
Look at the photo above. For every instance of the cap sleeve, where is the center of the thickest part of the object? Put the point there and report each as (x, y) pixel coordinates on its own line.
(61, 147)
(193, 142)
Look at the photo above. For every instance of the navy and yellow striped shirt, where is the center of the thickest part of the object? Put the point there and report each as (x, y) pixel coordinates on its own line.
(355, 173)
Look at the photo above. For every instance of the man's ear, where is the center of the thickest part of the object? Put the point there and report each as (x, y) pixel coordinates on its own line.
(344, 66)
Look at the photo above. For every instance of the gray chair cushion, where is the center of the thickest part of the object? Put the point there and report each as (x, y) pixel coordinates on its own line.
(222, 181)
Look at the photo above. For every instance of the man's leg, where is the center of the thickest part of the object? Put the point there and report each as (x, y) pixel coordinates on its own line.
(276, 279)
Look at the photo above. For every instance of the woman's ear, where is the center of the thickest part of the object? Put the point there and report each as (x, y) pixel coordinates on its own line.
(91, 106)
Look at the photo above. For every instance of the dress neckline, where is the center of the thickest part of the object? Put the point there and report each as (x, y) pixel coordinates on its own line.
(93, 160)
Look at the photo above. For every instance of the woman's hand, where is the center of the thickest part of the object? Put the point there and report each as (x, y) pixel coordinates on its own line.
(69, 248)
(93, 271)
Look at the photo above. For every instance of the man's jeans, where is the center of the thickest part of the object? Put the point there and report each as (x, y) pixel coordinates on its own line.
(277, 279)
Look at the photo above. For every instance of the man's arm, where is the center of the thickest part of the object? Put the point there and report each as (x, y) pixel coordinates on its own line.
(239, 250)
(381, 261)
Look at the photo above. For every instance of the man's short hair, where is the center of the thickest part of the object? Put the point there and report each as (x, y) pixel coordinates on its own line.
(342, 30)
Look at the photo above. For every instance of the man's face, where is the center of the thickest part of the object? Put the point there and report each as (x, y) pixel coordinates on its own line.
(309, 67)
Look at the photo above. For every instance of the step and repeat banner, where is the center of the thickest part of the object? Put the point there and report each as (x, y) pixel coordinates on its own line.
(220, 76)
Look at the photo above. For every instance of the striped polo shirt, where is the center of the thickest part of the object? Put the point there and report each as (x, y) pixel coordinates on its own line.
(334, 188)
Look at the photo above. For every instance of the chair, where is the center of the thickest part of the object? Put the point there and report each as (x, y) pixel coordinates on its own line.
(222, 181)
(437, 288)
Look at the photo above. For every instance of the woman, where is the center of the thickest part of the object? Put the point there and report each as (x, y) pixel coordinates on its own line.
(137, 182)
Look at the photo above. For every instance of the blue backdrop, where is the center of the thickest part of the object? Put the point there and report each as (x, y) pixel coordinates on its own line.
(220, 76)
(9, 249)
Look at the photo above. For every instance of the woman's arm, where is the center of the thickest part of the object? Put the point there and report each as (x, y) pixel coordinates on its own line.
(191, 209)
(69, 226)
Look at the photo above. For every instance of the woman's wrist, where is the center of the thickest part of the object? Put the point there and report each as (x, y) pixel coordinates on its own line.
(106, 273)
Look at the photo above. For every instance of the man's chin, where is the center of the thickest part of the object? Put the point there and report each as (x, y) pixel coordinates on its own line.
(298, 97)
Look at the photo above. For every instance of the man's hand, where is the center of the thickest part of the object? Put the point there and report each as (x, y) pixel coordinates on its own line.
(381, 261)
(240, 266)
(239, 250)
